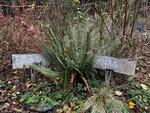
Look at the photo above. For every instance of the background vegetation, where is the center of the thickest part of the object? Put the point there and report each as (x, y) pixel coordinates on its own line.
(72, 33)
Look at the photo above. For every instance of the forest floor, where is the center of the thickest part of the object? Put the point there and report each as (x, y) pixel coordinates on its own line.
(14, 83)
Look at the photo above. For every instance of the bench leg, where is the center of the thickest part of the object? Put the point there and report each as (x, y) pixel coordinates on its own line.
(33, 75)
(108, 76)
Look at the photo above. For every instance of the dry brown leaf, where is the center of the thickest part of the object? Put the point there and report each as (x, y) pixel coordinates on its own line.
(14, 88)
(9, 82)
(28, 85)
(118, 93)
(5, 106)
(18, 93)
(17, 110)
(15, 72)
(72, 104)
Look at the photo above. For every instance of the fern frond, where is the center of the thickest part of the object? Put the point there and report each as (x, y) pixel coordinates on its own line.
(76, 49)
(47, 72)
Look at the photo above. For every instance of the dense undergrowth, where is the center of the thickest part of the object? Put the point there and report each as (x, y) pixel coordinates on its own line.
(70, 48)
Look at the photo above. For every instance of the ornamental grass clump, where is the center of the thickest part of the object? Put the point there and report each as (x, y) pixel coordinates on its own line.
(105, 102)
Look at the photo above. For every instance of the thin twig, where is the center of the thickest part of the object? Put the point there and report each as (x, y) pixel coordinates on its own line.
(33, 5)
(87, 85)
(137, 8)
(125, 17)
(72, 81)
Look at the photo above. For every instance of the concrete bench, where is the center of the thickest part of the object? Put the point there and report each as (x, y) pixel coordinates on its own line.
(123, 66)
(110, 64)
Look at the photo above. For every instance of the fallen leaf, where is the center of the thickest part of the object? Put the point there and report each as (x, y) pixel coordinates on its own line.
(14, 103)
(144, 86)
(118, 93)
(17, 110)
(15, 72)
(65, 108)
(14, 88)
(5, 106)
(16, 77)
(131, 105)
(31, 28)
(82, 111)
(146, 75)
(137, 68)
(2, 99)
(28, 85)
(2, 91)
(72, 105)
(9, 82)
(147, 108)
(18, 93)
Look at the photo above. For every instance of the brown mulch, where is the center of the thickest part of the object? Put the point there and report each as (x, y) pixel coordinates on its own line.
(17, 36)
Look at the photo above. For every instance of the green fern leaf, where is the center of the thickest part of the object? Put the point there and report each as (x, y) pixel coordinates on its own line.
(47, 72)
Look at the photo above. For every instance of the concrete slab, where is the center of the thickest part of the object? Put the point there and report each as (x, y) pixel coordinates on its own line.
(20, 61)
(124, 66)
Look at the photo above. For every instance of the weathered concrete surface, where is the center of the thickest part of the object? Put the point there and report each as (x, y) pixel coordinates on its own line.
(124, 66)
(20, 61)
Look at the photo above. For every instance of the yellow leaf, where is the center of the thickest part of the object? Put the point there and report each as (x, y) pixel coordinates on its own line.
(144, 86)
(131, 105)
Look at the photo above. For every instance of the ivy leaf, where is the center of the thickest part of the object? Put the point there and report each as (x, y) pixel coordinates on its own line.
(131, 105)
